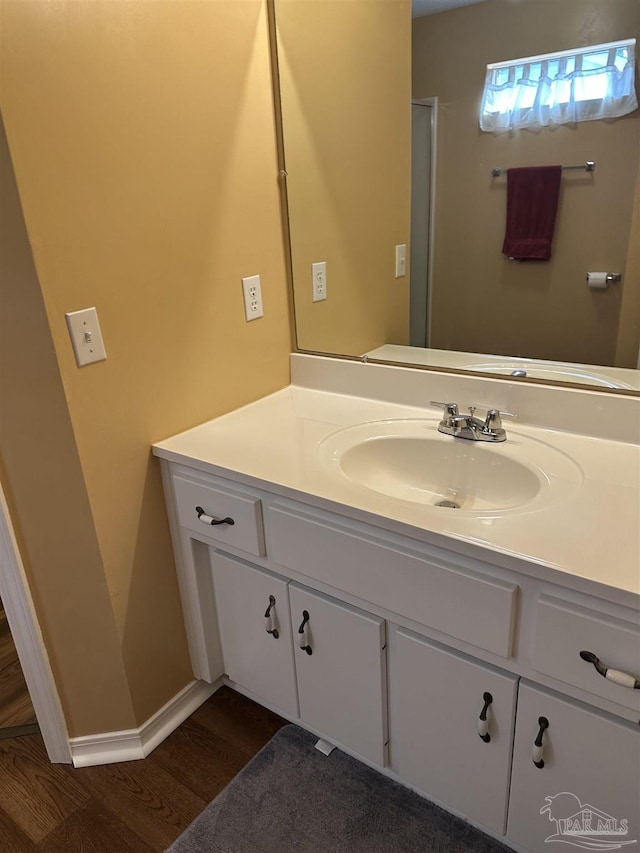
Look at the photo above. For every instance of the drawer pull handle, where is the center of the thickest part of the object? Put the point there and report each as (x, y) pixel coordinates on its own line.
(615, 675)
(483, 722)
(303, 639)
(211, 519)
(538, 747)
(269, 621)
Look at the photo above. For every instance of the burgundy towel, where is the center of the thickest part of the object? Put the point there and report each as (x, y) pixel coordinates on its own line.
(532, 202)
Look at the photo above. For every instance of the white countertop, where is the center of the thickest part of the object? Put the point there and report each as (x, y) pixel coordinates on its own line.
(592, 536)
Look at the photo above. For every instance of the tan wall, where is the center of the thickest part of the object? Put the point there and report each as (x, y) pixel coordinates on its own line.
(343, 70)
(41, 474)
(143, 142)
(482, 301)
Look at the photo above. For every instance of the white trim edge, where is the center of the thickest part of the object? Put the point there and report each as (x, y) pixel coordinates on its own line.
(133, 744)
(29, 643)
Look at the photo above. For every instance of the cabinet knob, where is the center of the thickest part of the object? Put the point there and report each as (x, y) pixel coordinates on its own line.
(483, 721)
(211, 519)
(303, 639)
(538, 747)
(269, 620)
(624, 679)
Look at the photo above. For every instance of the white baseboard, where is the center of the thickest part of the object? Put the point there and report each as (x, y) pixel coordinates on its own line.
(133, 744)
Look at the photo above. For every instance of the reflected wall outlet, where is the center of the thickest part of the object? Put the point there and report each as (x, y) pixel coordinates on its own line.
(252, 293)
(319, 281)
(86, 336)
(401, 260)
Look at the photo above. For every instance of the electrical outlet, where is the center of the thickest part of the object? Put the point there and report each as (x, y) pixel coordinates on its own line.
(252, 293)
(401, 260)
(319, 281)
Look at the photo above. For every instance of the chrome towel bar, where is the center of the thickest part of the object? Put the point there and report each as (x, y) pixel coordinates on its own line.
(589, 166)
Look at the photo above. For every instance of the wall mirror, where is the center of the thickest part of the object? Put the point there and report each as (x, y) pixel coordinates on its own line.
(382, 149)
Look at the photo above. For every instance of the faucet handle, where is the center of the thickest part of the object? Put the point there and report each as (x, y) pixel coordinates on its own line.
(450, 411)
(449, 408)
(494, 417)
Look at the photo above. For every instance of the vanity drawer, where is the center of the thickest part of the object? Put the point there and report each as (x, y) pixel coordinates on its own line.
(564, 629)
(220, 501)
(467, 605)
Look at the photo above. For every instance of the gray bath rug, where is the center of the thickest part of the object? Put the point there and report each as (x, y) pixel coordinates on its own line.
(292, 799)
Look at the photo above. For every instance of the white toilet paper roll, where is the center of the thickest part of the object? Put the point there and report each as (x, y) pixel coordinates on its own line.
(597, 280)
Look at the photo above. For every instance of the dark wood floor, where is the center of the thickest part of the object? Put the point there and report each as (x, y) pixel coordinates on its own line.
(132, 807)
(16, 709)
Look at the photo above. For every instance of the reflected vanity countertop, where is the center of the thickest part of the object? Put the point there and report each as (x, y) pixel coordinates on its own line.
(595, 375)
(590, 541)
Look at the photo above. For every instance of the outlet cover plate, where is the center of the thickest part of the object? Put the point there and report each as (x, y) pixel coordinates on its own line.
(252, 294)
(319, 281)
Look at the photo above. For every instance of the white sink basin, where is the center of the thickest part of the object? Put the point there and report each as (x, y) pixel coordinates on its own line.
(409, 460)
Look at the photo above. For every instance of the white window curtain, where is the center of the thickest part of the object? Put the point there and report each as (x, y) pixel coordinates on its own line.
(595, 82)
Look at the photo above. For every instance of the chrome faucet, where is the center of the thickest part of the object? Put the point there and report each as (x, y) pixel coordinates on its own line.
(470, 427)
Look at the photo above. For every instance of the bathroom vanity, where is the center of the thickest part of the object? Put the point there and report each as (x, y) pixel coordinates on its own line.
(440, 645)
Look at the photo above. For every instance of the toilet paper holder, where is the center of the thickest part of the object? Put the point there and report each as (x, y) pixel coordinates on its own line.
(598, 279)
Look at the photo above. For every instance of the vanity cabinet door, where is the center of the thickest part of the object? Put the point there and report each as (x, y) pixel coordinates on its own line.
(439, 743)
(585, 793)
(341, 671)
(261, 662)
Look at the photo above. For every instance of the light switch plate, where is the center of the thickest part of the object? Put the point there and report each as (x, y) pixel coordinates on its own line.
(401, 260)
(86, 336)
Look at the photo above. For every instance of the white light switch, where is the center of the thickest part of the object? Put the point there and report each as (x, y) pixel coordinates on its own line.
(401, 260)
(319, 281)
(86, 336)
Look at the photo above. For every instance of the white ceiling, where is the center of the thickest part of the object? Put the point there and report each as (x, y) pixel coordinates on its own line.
(430, 7)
